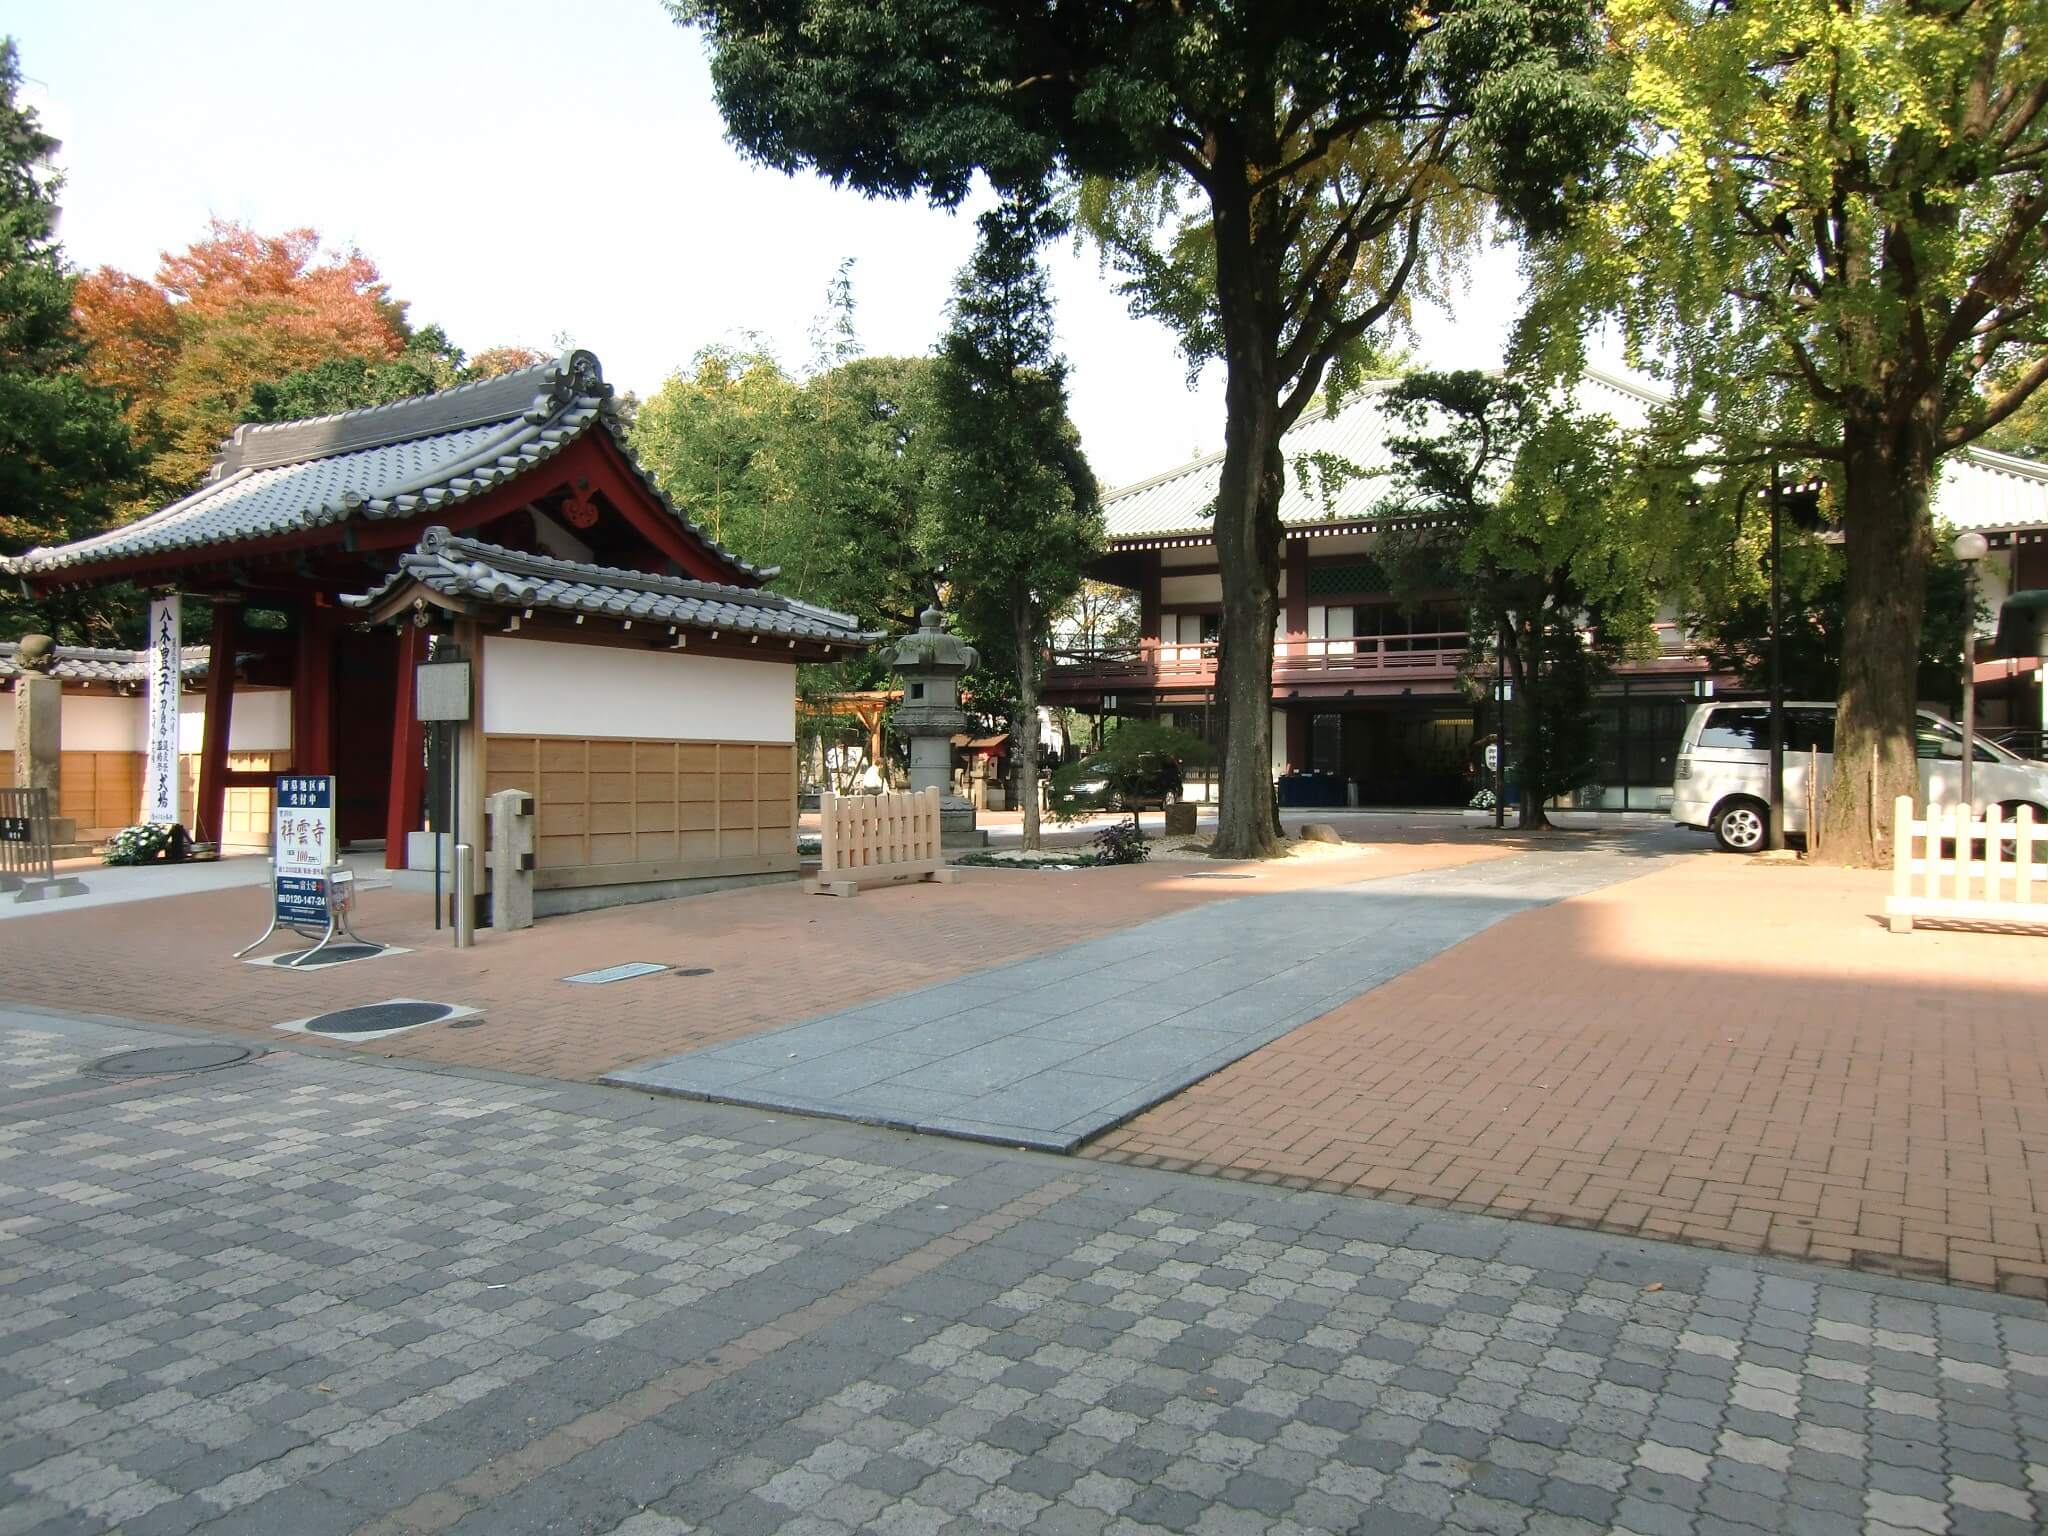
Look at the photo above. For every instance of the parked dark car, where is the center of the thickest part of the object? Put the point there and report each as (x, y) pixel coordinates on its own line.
(1146, 782)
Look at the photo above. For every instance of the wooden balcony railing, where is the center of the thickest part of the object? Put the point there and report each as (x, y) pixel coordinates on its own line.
(1169, 663)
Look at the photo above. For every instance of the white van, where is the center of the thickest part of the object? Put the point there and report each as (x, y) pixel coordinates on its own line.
(1724, 770)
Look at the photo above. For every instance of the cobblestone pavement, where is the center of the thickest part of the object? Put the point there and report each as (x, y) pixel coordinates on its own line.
(1049, 1051)
(313, 1294)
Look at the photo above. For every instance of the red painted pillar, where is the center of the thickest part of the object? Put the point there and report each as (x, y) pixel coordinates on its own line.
(408, 751)
(313, 691)
(1297, 589)
(209, 804)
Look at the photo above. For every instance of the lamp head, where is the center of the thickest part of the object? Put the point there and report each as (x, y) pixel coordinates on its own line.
(1970, 547)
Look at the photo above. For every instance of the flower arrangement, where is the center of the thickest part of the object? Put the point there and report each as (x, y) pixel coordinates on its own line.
(1483, 801)
(151, 843)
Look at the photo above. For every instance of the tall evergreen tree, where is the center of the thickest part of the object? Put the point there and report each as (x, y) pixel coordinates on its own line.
(62, 442)
(1328, 154)
(1021, 513)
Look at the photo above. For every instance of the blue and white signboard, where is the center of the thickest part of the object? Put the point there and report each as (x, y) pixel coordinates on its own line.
(166, 672)
(304, 847)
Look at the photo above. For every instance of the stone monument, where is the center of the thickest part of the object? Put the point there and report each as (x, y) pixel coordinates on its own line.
(38, 735)
(930, 662)
(38, 716)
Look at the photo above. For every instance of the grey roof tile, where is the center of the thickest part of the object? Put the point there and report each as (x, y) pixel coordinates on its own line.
(387, 461)
(88, 664)
(469, 569)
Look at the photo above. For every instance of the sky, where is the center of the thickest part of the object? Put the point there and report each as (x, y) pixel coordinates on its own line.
(524, 171)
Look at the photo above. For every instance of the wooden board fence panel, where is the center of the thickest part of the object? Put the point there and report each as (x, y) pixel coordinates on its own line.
(1952, 866)
(616, 810)
(884, 839)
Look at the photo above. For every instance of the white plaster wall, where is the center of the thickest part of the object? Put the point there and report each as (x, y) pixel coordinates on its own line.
(260, 722)
(547, 688)
(102, 723)
(1191, 589)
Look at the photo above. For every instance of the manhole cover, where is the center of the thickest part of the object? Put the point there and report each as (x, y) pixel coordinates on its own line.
(333, 954)
(158, 1060)
(693, 970)
(377, 1018)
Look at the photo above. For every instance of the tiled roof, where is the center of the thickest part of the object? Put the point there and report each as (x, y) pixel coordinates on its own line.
(388, 461)
(505, 578)
(1181, 501)
(1977, 488)
(84, 664)
(1991, 492)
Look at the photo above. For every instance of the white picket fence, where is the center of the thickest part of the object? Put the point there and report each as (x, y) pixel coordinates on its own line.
(1953, 866)
(882, 839)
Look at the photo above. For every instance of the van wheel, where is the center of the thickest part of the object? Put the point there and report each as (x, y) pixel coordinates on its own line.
(1741, 825)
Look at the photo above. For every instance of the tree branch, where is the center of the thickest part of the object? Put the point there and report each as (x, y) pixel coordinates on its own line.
(2011, 399)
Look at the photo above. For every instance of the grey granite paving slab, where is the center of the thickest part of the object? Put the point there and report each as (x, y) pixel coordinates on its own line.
(1049, 1051)
(324, 1293)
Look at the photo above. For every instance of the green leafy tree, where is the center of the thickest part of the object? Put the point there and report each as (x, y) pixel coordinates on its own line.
(1828, 220)
(718, 436)
(1328, 152)
(427, 362)
(1527, 509)
(1021, 514)
(1734, 629)
(63, 446)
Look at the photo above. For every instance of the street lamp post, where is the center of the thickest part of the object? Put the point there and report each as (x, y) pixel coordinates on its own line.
(1969, 548)
(1775, 837)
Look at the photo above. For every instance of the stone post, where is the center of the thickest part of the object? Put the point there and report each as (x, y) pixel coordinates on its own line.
(511, 816)
(930, 662)
(38, 717)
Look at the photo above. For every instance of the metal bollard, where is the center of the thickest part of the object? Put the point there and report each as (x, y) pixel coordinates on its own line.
(465, 896)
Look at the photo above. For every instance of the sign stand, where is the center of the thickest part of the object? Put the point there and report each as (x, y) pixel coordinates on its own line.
(311, 890)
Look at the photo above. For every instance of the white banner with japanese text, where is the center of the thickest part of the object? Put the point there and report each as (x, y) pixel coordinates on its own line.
(160, 749)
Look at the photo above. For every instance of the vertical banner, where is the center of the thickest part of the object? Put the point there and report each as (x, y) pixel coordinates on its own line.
(160, 760)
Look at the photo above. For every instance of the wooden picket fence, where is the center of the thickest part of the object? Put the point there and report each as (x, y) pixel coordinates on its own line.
(1957, 867)
(885, 839)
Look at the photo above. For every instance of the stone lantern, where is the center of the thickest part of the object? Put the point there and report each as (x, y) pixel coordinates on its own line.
(930, 662)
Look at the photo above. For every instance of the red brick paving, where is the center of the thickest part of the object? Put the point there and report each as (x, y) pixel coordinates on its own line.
(776, 955)
(1726, 1052)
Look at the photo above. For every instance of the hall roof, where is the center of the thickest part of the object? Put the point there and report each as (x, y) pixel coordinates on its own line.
(90, 664)
(469, 571)
(426, 453)
(1976, 487)
(1178, 505)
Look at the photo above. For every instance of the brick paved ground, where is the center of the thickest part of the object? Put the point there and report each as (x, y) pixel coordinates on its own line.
(776, 955)
(316, 1294)
(1727, 1052)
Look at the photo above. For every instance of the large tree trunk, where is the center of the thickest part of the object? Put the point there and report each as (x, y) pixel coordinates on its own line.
(1525, 671)
(1888, 539)
(1026, 743)
(1247, 544)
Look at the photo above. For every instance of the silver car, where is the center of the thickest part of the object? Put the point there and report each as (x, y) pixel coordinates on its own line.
(1724, 770)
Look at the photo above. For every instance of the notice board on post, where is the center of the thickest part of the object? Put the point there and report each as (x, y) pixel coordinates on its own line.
(303, 847)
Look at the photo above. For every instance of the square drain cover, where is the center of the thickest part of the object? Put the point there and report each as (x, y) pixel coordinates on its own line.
(373, 1021)
(624, 972)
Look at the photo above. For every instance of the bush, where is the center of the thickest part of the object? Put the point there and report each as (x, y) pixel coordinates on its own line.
(150, 843)
(1121, 844)
(1483, 801)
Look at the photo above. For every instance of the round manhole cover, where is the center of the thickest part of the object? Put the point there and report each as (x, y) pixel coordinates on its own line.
(374, 1017)
(333, 954)
(159, 1060)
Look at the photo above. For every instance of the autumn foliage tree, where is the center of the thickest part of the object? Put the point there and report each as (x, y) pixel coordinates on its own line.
(186, 349)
